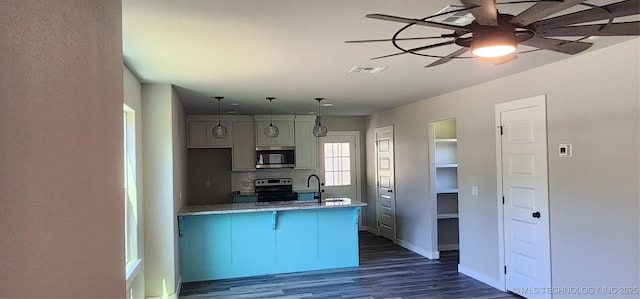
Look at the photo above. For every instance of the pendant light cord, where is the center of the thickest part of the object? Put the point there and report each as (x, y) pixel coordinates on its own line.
(270, 120)
(219, 99)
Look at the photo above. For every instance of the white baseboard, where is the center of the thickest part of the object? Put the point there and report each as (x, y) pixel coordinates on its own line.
(446, 247)
(178, 288)
(372, 230)
(175, 295)
(480, 277)
(432, 255)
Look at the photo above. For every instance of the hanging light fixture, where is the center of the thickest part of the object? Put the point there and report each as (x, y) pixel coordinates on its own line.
(271, 131)
(319, 130)
(219, 131)
(494, 42)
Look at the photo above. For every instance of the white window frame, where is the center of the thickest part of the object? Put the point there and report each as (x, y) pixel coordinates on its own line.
(132, 256)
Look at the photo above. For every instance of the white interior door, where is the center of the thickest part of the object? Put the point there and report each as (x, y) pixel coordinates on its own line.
(340, 165)
(523, 159)
(386, 203)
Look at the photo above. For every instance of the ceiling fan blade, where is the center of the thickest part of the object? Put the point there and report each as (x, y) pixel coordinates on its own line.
(415, 21)
(406, 38)
(618, 9)
(615, 29)
(541, 10)
(417, 49)
(558, 45)
(484, 11)
(449, 57)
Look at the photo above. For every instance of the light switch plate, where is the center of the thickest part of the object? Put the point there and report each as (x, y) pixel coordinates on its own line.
(564, 150)
(474, 190)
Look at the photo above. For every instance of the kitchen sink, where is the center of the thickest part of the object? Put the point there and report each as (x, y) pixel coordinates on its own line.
(333, 200)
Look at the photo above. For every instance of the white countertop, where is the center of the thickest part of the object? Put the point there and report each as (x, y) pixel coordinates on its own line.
(327, 203)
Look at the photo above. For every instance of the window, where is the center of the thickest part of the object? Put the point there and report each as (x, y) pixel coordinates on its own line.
(130, 192)
(337, 164)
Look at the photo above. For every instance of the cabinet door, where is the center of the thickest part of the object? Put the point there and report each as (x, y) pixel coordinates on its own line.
(262, 140)
(285, 138)
(287, 133)
(198, 134)
(305, 145)
(244, 150)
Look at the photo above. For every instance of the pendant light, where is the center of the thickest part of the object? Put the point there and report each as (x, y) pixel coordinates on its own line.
(219, 131)
(319, 130)
(271, 131)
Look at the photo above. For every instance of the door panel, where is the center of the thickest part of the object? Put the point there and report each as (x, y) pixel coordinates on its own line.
(526, 203)
(385, 184)
(339, 165)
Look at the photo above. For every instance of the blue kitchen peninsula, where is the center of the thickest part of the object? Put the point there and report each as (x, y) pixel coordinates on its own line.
(247, 239)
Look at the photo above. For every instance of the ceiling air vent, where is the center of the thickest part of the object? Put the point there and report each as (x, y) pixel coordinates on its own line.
(456, 17)
(367, 69)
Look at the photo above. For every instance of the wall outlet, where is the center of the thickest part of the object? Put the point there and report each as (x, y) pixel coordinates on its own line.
(207, 184)
(474, 190)
(564, 150)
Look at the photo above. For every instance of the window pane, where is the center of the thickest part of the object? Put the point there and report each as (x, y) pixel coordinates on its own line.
(345, 149)
(346, 178)
(328, 150)
(328, 178)
(337, 164)
(345, 165)
(328, 164)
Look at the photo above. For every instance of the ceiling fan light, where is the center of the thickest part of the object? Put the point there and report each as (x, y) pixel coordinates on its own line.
(493, 43)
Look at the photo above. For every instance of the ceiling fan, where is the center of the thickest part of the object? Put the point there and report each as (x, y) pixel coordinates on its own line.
(494, 35)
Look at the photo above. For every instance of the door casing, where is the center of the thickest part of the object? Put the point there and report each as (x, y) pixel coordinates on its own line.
(499, 108)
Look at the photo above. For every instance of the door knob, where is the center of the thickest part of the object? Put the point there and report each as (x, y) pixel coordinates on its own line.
(536, 215)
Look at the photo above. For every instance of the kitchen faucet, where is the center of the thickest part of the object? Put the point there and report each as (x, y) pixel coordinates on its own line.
(319, 196)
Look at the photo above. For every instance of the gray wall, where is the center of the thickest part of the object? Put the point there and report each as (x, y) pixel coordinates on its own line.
(133, 99)
(164, 139)
(213, 165)
(61, 174)
(356, 123)
(592, 103)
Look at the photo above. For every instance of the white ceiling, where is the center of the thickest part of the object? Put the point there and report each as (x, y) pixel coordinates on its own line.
(295, 50)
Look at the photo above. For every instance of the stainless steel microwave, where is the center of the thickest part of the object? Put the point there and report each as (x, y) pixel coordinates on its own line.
(275, 157)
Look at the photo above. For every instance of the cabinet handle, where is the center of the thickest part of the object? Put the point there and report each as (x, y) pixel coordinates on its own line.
(536, 215)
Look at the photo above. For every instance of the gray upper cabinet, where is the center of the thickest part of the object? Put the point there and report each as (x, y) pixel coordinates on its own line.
(200, 135)
(244, 149)
(285, 124)
(306, 143)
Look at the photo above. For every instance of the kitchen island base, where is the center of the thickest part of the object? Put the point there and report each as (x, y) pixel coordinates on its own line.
(230, 245)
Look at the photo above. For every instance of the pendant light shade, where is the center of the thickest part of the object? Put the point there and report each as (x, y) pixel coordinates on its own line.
(319, 130)
(271, 131)
(219, 131)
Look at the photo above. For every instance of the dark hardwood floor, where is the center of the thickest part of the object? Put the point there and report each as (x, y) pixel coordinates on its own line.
(386, 271)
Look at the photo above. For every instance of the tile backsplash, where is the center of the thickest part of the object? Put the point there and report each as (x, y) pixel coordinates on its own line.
(243, 181)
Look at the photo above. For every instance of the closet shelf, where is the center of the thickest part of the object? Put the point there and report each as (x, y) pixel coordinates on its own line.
(451, 165)
(448, 216)
(447, 140)
(452, 190)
